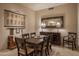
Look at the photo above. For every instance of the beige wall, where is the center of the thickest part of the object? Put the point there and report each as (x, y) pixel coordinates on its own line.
(69, 11)
(33, 19)
(29, 21)
(78, 25)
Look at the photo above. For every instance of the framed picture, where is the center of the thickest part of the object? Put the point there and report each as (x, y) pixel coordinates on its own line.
(17, 30)
(21, 31)
(12, 19)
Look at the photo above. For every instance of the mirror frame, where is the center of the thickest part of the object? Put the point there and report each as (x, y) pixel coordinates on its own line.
(55, 17)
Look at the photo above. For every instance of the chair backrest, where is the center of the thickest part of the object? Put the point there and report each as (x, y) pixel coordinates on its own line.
(26, 36)
(32, 35)
(47, 40)
(51, 38)
(21, 44)
(72, 36)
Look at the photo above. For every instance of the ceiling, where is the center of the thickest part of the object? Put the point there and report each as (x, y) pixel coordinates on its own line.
(40, 6)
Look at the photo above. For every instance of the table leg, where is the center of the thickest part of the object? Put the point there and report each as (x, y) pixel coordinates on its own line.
(41, 49)
(36, 51)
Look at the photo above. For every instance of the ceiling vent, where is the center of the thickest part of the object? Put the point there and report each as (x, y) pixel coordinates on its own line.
(51, 8)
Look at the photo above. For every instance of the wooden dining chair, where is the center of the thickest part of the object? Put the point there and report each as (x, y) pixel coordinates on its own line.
(50, 42)
(70, 40)
(32, 35)
(26, 36)
(45, 47)
(47, 44)
(22, 47)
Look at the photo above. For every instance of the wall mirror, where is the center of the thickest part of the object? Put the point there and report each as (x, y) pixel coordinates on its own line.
(52, 22)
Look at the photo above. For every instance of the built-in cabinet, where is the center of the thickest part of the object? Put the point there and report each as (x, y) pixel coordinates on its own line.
(56, 37)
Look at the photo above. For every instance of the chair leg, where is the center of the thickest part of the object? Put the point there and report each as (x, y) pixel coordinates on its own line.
(75, 45)
(41, 52)
(32, 54)
(18, 54)
(50, 47)
(72, 46)
(48, 51)
(69, 44)
(45, 52)
(63, 43)
(41, 49)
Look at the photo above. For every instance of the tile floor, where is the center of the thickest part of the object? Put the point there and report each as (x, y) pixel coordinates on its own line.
(56, 51)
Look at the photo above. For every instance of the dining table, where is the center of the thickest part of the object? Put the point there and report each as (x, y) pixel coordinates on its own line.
(36, 42)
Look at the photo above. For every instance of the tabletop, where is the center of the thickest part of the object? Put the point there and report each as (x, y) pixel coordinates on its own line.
(34, 41)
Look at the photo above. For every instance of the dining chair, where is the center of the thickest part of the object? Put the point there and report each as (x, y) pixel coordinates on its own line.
(22, 47)
(32, 35)
(45, 47)
(26, 36)
(50, 42)
(47, 44)
(70, 40)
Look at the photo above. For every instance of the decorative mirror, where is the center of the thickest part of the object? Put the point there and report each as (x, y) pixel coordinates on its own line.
(52, 22)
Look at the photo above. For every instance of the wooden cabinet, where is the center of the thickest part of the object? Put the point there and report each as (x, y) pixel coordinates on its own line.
(56, 37)
(11, 43)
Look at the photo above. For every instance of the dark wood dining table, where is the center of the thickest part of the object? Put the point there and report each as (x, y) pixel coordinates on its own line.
(36, 42)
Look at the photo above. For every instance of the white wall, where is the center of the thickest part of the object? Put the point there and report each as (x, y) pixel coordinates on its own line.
(29, 21)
